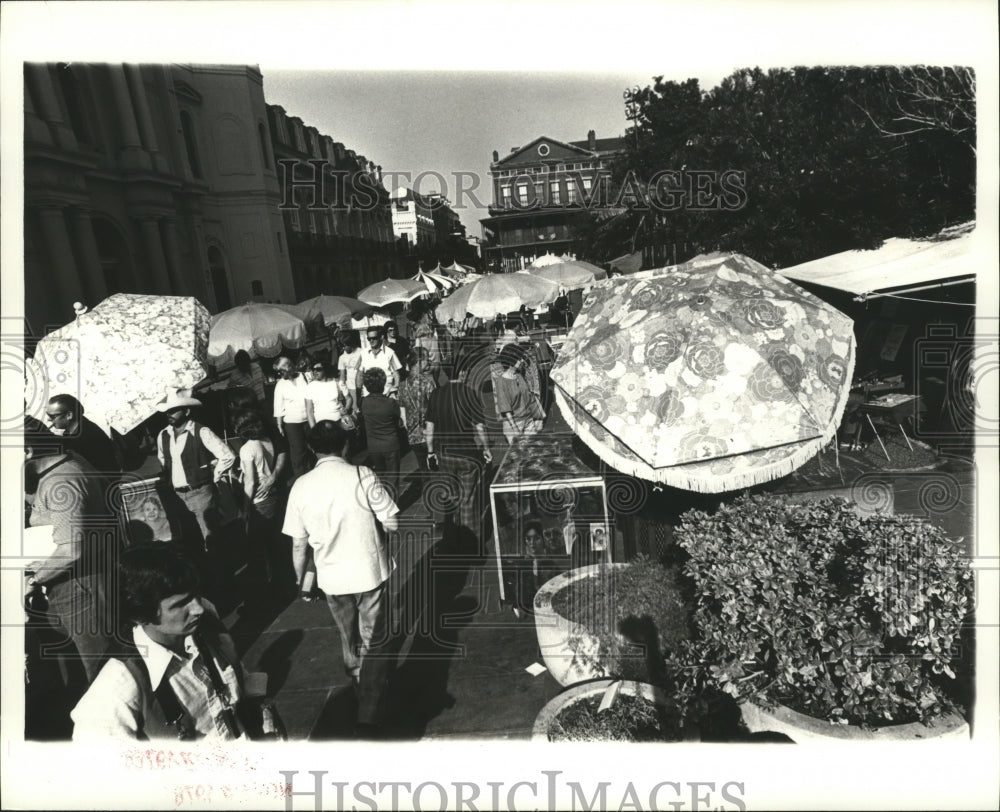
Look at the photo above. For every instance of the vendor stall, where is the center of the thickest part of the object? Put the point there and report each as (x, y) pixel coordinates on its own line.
(550, 514)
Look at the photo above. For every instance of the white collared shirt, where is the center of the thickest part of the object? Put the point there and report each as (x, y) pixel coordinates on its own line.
(336, 512)
(385, 359)
(112, 707)
(224, 456)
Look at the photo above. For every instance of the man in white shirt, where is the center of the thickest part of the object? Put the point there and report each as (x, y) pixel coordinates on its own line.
(376, 354)
(334, 509)
(180, 677)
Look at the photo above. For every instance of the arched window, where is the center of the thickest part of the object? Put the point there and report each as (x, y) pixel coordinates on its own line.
(220, 278)
(190, 143)
(263, 146)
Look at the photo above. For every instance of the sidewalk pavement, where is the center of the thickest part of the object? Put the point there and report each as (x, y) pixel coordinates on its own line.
(461, 662)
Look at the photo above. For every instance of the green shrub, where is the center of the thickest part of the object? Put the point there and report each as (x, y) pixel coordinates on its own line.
(854, 619)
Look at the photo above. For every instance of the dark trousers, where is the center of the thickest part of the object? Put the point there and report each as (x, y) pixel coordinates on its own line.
(299, 454)
(386, 465)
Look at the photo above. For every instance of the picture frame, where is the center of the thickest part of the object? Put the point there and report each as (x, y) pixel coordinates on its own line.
(144, 515)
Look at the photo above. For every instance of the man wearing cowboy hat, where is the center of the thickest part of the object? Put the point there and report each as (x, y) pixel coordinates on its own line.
(194, 458)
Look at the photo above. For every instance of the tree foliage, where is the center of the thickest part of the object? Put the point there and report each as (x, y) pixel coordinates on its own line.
(835, 158)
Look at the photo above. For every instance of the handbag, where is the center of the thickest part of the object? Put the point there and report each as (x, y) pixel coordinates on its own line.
(229, 500)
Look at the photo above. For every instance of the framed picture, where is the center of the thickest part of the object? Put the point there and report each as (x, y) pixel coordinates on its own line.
(143, 513)
(598, 538)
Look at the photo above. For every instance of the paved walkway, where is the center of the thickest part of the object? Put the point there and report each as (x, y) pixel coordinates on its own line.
(461, 659)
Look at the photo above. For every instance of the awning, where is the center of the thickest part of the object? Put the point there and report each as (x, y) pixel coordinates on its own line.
(899, 265)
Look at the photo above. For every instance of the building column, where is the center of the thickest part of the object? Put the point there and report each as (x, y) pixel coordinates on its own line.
(175, 265)
(145, 121)
(132, 155)
(34, 128)
(90, 258)
(48, 103)
(153, 246)
(60, 253)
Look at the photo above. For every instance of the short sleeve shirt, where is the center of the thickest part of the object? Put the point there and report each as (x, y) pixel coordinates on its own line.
(455, 409)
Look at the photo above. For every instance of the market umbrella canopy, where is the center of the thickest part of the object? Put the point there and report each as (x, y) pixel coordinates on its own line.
(118, 358)
(434, 282)
(260, 329)
(332, 309)
(371, 319)
(569, 274)
(392, 290)
(709, 376)
(543, 260)
(497, 293)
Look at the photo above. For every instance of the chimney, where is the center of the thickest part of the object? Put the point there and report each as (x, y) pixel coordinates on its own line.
(496, 156)
(591, 140)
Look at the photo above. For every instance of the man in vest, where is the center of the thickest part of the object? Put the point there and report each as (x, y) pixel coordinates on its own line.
(177, 676)
(193, 458)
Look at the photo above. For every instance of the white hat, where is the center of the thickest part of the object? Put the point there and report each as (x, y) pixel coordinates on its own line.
(178, 399)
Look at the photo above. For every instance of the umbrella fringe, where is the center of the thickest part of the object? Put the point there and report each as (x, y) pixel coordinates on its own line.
(673, 476)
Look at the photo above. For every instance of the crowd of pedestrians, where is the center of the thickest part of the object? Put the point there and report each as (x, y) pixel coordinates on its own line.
(301, 494)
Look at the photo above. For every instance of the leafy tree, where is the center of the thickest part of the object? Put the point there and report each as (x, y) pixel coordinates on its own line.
(833, 158)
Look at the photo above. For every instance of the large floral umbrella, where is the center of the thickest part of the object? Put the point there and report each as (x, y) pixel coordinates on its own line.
(389, 291)
(332, 309)
(709, 376)
(120, 357)
(497, 293)
(569, 274)
(260, 329)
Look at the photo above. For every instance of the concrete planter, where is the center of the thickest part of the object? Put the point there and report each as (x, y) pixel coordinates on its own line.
(804, 729)
(586, 690)
(571, 651)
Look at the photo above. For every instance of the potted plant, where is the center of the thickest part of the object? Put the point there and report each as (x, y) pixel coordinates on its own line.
(609, 710)
(825, 623)
(607, 620)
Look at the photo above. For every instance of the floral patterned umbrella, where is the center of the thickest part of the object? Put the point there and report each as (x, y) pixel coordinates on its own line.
(709, 376)
(120, 357)
(260, 329)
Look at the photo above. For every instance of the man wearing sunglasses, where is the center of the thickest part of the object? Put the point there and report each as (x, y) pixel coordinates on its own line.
(378, 356)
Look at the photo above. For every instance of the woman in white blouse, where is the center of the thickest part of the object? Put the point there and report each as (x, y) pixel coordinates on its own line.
(327, 398)
(290, 413)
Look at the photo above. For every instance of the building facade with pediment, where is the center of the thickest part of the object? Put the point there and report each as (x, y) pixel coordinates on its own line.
(148, 179)
(541, 195)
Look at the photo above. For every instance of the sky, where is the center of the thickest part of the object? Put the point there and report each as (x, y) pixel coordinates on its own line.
(451, 122)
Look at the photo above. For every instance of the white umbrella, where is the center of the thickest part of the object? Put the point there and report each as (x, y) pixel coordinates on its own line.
(332, 309)
(543, 260)
(260, 329)
(569, 274)
(497, 293)
(372, 319)
(389, 291)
